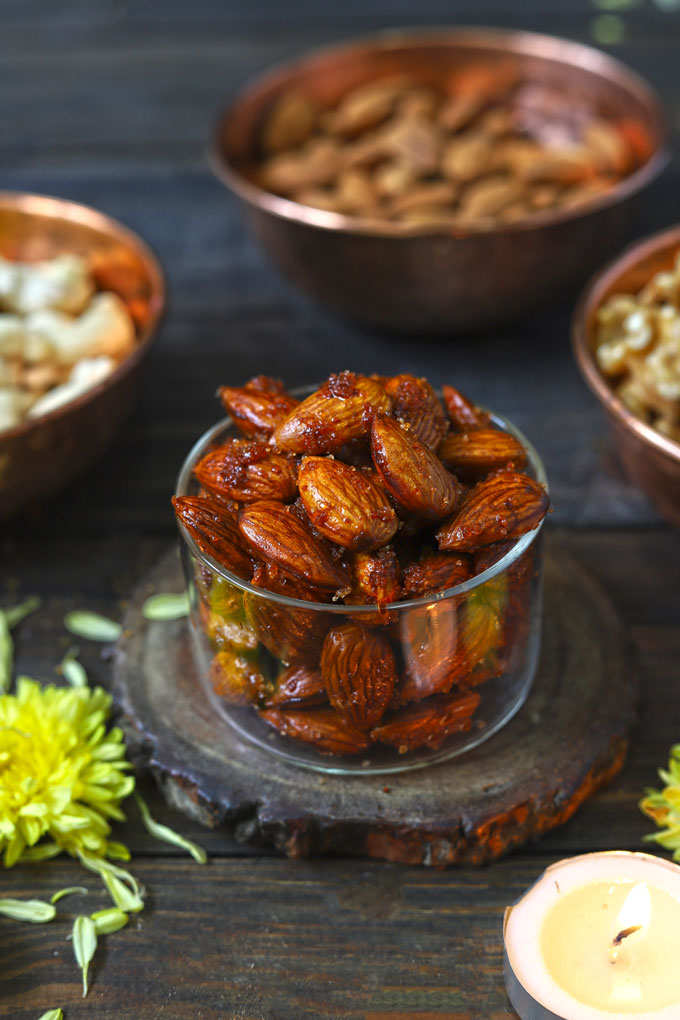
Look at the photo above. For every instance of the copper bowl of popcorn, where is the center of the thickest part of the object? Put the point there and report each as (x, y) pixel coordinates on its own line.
(80, 299)
(441, 180)
(626, 337)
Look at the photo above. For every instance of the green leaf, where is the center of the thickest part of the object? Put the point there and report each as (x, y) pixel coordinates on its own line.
(166, 606)
(15, 614)
(84, 945)
(108, 921)
(72, 670)
(167, 835)
(72, 889)
(36, 911)
(93, 626)
(52, 1014)
(6, 654)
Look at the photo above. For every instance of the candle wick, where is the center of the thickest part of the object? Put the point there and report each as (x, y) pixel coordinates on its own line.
(625, 932)
(618, 939)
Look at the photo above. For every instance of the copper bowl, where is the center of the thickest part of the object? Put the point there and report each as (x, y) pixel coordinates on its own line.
(651, 459)
(428, 278)
(42, 455)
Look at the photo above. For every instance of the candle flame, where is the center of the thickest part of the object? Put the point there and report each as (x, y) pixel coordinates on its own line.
(636, 908)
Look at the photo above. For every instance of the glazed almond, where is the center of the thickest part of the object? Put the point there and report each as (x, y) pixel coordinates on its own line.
(414, 401)
(411, 472)
(503, 506)
(463, 414)
(255, 412)
(276, 534)
(215, 531)
(375, 578)
(336, 414)
(299, 686)
(235, 677)
(480, 451)
(344, 505)
(428, 724)
(357, 665)
(247, 471)
(434, 573)
(321, 727)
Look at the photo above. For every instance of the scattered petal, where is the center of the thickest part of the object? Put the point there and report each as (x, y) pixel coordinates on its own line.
(84, 945)
(15, 614)
(36, 911)
(72, 889)
(86, 624)
(72, 670)
(168, 835)
(6, 654)
(166, 607)
(106, 922)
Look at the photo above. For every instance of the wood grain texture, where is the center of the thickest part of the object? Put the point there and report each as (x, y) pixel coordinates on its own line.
(275, 940)
(110, 103)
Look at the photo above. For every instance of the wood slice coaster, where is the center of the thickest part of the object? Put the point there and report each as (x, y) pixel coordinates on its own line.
(569, 738)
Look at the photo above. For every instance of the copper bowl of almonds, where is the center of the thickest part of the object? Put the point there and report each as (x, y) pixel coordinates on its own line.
(80, 299)
(626, 338)
(441, 180)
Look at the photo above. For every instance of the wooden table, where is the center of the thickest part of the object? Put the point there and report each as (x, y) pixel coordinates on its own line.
(110, 104)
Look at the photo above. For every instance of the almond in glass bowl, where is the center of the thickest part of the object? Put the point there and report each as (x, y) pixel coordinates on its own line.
(364, 566)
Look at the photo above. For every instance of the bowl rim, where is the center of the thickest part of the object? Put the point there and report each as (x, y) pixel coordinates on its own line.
(589, 301)
(184, 479)
(562, 50)
(50, 207)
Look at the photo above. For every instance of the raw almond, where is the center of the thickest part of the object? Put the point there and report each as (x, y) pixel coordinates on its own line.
(367, 105)
(357, 665)
(411, 472)
(336, 414)
(344, 505)
(290, 123)
(429, 723)
(501, 507)
(215, 530)
(321, 727)
(480, 451)
(246, 471)
(276, 534)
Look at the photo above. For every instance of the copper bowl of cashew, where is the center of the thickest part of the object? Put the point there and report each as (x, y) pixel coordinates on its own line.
(442, 180)
(626, 340)
(80, 300)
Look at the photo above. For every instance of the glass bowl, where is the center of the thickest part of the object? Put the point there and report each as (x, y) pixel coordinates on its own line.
(469, 653)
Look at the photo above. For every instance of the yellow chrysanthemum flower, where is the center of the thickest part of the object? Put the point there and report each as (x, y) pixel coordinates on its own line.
(62, 775)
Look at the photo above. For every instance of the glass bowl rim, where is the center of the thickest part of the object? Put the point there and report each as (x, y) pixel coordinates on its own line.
(343, 608)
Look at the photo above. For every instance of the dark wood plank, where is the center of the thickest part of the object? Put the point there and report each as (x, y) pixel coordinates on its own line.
(276, 940)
